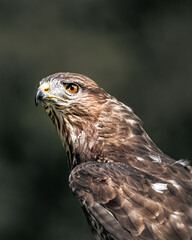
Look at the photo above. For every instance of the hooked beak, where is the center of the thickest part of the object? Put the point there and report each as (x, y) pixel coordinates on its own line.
(42, 92)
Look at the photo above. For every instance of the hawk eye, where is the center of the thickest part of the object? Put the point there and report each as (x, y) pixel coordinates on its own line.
(72, 88)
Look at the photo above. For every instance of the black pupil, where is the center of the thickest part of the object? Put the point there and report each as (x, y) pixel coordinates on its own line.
(71, 87)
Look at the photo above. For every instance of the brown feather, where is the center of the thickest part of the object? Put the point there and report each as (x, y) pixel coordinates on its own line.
(128, 188)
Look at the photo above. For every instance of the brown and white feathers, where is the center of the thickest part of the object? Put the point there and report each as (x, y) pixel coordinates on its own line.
(127, 187)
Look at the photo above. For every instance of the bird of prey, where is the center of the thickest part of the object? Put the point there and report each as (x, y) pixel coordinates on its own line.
(127, 187)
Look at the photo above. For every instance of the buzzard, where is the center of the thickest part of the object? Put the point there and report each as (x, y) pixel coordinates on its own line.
(127, 187)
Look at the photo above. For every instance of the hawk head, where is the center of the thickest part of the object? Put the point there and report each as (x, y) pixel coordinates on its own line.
(74, 103)
(70, 91)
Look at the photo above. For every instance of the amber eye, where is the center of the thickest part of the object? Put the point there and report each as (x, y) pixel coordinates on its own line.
(72, 88)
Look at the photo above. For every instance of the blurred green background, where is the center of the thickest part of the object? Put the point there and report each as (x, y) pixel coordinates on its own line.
(139, 51)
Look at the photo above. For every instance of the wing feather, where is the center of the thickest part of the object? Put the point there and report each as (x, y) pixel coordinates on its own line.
(130, 204)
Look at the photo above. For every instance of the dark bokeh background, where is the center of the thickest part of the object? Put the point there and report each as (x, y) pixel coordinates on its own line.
(139, 51)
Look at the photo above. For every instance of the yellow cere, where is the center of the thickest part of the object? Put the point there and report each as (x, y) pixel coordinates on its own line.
(45, 86)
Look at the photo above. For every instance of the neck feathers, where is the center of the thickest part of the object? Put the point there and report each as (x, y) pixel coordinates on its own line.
(114, 133)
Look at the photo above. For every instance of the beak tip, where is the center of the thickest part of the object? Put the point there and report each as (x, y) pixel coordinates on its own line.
(36, 101)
